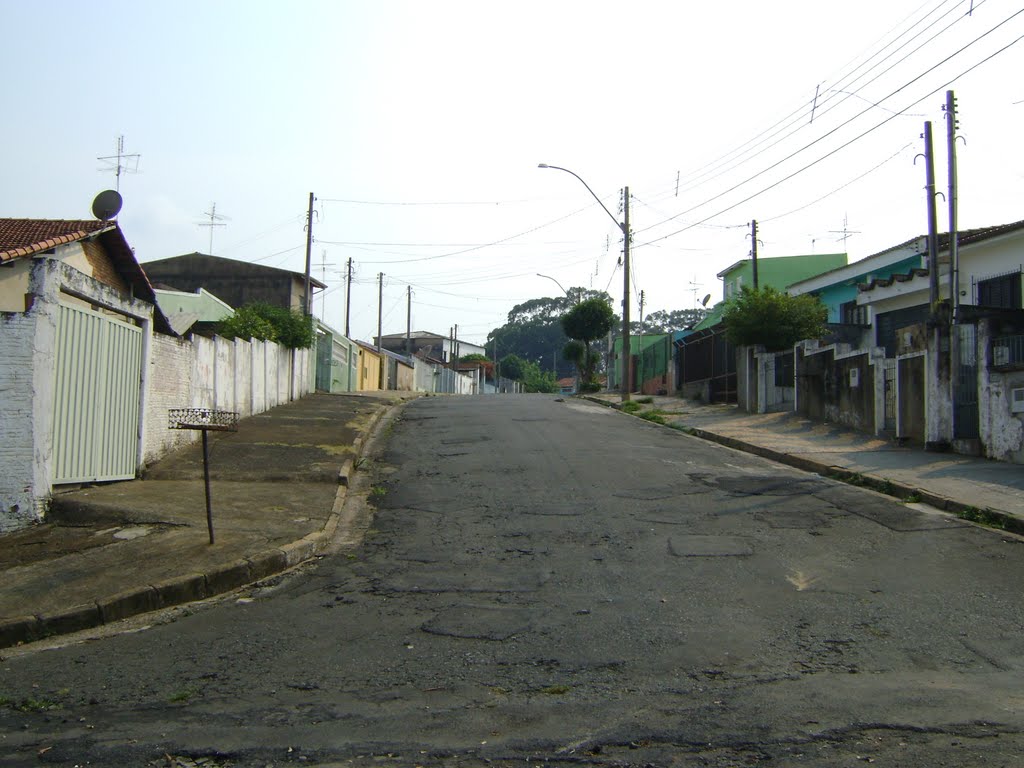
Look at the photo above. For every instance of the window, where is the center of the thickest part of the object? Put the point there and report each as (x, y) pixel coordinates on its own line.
(1002, 291)
(851, 314)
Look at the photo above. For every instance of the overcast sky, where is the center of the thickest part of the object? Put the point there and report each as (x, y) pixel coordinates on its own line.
(419, 127)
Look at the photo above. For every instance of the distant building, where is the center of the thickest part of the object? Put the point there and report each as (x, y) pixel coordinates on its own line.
(426, 344)
(236, 283)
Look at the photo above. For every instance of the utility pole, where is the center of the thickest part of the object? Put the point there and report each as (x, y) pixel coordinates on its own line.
(753, 250)
(348, 297)
(954, 250)
(497, 369)
(627, 373)
(323, 278)
(307, 298)
(408, 321)
(933, 237)
(640, 355)
(380, 328)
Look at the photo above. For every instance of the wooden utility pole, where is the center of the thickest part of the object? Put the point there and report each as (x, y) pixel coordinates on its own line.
(348, 297)
(307, 299)
(933, 236)
(954, 250)
(753, 250)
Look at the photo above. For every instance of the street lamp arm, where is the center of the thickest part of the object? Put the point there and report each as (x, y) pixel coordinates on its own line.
(610, 215)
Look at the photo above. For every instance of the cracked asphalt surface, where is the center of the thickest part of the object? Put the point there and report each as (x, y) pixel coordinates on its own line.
(554, 581)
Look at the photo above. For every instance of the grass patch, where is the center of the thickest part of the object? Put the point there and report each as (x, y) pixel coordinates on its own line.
(913, 498)
(631, 406)
(644, 400)
(33, 705)
(983, 517)
(653, 416)
(183, 696)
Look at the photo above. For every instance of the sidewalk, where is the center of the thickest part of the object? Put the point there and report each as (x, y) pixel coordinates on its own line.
(979, 489)
(112, 551)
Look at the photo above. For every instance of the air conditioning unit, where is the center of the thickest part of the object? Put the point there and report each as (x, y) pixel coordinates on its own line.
(1017, 400)
(1000, 355)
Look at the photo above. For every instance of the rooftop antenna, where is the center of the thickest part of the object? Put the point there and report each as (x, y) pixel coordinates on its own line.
(121, 163)
(844, 234)
(216, 220)
(695, 287)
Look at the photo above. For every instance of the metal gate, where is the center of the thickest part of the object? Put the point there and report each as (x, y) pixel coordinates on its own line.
(890, 395)
(97, 370)
(965, 382)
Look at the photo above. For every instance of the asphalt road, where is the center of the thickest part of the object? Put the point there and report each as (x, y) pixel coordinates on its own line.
(546, 580)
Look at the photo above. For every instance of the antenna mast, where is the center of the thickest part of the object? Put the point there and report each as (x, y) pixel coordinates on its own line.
(216, 220)
(121, 162)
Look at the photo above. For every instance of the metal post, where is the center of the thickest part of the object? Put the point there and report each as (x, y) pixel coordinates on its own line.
(206, 483)
(933, 237)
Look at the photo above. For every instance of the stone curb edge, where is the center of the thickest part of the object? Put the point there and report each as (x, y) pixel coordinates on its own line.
(987, 517)
(194, 586)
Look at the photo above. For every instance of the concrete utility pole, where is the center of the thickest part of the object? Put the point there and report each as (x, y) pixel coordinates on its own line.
(954, 251)
(348, 297)
(627, 380)
(640, 353)
(307, 299)
(380, 328)
(408, 321)
(933, 236)
(627, 373)
(753, 250)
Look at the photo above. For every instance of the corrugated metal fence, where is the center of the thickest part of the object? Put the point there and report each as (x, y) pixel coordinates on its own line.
(98, 370)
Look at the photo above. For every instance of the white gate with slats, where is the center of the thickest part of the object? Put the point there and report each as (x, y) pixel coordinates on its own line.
(98, 370)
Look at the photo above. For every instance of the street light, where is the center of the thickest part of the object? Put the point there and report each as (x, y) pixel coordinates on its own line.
(627, 373)
(567, 293)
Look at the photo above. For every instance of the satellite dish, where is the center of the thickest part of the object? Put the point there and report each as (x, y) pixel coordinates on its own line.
(106, 205)
(706, 299)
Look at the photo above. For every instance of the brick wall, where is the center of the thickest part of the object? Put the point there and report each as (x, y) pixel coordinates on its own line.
(102, 268)
(170, 386)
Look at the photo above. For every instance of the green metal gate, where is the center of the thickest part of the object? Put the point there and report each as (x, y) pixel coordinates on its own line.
(98, 372)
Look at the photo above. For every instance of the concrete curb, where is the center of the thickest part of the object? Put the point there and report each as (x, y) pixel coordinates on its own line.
(193, 586)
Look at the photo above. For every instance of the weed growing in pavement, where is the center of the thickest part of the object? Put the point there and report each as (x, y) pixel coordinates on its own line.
(913, 498)
(183, 696)
(983, 517)
(377, 492)
(644, 400)
(631, 406)
(654, 416)
(34, 705)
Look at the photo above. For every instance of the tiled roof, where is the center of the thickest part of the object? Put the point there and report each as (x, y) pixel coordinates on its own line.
(27, 237)
(885, 282)
(21, 238)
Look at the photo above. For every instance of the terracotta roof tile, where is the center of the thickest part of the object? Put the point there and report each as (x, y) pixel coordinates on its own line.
(27, 237)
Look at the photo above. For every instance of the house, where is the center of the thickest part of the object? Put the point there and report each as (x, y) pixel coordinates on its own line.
(77, 316)
(931, 357)
(199, 311)
(399, 372)
(371, 368)
(426, 344)
(706, 361)
(337, 361)
(237, 283)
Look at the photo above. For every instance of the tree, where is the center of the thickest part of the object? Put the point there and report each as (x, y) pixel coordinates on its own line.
(588, 320)
(576, 352)
(265, 322)
(663, 321)
(530, 374)
(534, 331)
(774, 319)
(484, 361)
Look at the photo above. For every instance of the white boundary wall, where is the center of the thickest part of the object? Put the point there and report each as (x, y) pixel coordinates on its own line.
(247, 377)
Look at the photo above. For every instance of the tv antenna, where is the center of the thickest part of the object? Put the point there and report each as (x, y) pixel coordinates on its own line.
(216, 220)
(844, 234)
(121, 162)
(695, 287)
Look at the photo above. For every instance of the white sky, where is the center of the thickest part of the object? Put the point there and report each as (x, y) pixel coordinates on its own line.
(419, 127)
